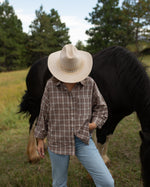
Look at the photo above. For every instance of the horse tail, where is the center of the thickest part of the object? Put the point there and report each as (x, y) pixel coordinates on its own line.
(35, 82)
(30, 106)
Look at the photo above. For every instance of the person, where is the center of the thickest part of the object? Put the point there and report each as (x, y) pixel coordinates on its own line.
(71, 108)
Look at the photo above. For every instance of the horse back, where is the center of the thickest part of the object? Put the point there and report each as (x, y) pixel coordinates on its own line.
(106, 74)
(37, 78)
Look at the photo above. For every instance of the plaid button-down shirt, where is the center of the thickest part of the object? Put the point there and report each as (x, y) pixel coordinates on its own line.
(65, 114)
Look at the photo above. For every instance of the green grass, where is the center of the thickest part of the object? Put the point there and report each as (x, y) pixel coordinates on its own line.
(146, 61)
(142, 45)
(15, 171)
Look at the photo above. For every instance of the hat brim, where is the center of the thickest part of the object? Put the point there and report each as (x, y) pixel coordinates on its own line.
(70, 77)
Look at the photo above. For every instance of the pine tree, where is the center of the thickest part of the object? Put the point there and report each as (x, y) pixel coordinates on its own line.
(11, 39)
(106, 20)
(79, 45)
(48, 34)
(139, 12)
(113, 25)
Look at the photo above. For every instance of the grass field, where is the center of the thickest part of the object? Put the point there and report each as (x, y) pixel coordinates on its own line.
(15, 171)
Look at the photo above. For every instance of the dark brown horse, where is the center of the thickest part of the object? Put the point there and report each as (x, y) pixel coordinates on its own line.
(124, 85)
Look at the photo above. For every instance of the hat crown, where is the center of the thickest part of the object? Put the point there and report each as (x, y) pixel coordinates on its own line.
(70, 59)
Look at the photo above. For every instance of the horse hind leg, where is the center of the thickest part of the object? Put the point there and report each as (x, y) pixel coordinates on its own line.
(103, 149)
(32, 153)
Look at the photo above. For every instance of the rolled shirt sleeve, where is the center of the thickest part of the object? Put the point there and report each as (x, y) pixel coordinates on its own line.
(41, 128)
(99, 108)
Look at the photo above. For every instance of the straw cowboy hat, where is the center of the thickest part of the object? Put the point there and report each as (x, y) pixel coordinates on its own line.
(70, 64)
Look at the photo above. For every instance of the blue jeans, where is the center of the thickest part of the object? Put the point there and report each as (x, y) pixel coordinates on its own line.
(90, 158)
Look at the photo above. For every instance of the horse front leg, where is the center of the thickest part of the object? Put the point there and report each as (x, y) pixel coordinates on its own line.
(103, 149)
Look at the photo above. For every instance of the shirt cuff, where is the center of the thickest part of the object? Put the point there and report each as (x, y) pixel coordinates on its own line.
(98, 122)
(40, 134)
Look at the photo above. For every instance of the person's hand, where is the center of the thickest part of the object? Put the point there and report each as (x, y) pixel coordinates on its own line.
(40, 148)
(92, 126)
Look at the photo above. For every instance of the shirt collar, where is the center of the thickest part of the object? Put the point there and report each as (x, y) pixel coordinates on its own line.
(58, 82)
(83, 82)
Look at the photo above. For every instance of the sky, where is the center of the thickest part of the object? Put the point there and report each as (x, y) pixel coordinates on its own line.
(72, 13)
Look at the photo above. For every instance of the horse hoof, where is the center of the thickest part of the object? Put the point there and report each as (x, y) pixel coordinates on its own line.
(33, 156)
(34, 159)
